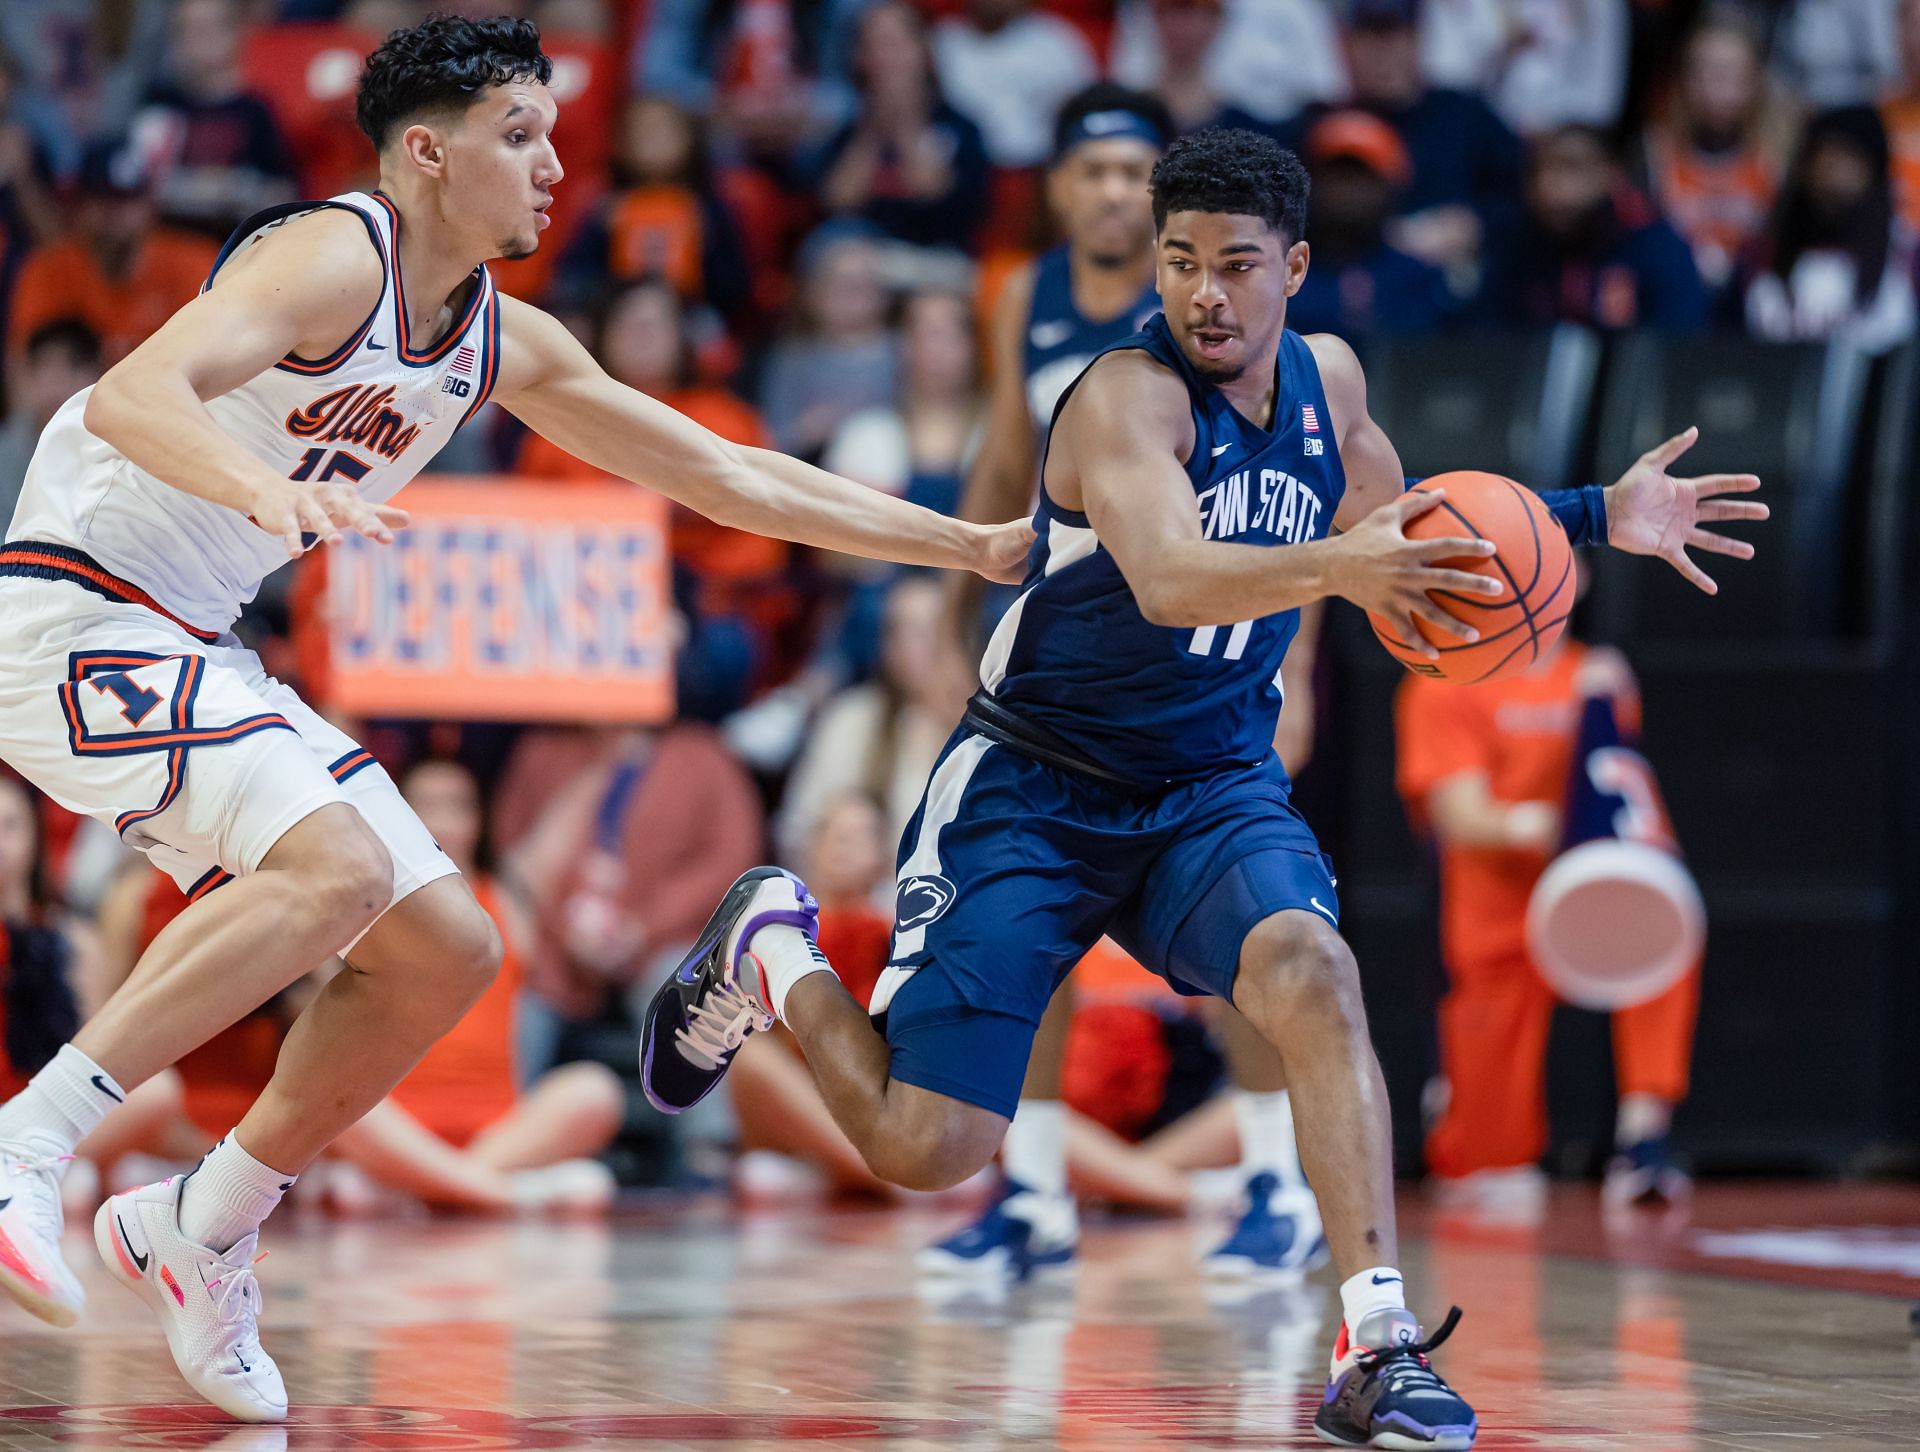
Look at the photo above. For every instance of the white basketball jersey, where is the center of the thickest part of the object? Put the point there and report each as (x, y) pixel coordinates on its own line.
(371, 414)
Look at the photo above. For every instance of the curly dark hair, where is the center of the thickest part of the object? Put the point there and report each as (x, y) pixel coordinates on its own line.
(1225, 169)
(443, 64)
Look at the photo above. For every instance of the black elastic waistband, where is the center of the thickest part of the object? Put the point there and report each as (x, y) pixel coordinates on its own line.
(990, 718)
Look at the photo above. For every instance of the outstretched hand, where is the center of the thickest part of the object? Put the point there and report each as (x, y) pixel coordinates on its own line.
(1651, 513)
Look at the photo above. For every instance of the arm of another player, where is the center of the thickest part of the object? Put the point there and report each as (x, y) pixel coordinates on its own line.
(552, 383)
(1000, 484)
(1293, 735)
(302, 290)
(1123, 435)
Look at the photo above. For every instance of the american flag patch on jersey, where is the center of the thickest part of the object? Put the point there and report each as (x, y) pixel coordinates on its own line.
(463, 360)
(1309, 420)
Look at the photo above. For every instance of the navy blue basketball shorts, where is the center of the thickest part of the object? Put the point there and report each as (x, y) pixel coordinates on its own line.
(1012, 869)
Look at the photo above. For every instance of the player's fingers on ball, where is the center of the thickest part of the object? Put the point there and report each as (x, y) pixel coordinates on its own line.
(1442, 620)
(1455, 549)
(1719, 544)
(1406, 630)
(1416, 502)
(1464, 582)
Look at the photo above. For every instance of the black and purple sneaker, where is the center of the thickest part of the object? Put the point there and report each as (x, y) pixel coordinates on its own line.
(716, 997)
(1386, 1393)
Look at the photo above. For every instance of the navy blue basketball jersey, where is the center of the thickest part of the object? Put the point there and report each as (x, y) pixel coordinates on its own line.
(1060, 342)
(1074, 655)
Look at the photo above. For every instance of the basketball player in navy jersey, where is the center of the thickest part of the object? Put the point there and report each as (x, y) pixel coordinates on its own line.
(1204, 480)
(1053, 317)
(336, 348)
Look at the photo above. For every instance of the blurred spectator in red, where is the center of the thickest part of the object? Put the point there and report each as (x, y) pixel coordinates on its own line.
(664, 217)
(119, 272)
(216, 152)
(1010, 67)
(1541, 63)
(772, 73)
(882, 738)
(1837, 52)
(732, 583)
(1593, 251)
(1900, 111)
(81, 67)
(908, 163)
(1713, 161)
(840, 356)
(1360, 284)
(1467, 165)
(1837, 263)
(621, 840)
(1229, 62)
(60, 358)
(917, 447)
(29, 212)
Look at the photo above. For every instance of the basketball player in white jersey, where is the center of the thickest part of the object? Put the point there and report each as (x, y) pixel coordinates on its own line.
(337, 347)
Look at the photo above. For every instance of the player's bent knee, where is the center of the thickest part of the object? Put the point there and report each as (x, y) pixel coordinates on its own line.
(936, 1150)
(472, 953)
(354, 881)
(1294, 964)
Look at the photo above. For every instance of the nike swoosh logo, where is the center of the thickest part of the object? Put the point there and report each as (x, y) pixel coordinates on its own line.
(101, 1084)
(1388, 1281)
(6, 1202)
(373, 347)
(1315, 902)
(1218, 449)
(138, 1259)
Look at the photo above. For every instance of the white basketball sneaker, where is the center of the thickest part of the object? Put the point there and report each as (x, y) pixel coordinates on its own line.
(32, 1270)
(208, 1301)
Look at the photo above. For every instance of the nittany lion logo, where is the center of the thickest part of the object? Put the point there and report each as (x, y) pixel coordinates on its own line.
(922, 900)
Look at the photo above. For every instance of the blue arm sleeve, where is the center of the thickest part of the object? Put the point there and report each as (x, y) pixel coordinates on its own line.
(1582, 512)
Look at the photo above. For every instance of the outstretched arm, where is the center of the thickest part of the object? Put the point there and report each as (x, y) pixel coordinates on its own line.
(551, 382)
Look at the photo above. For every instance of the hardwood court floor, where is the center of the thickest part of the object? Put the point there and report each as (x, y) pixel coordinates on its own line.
(1776, 1319)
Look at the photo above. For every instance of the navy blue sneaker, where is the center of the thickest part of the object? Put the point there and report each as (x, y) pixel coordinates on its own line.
(1385, 1393)
(705, 1010)
(1021, 1235)
(1644, 1174)
(1277, 1235)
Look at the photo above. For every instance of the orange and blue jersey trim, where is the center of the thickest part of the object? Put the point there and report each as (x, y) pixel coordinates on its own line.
(207, 882)
(36, 560)
(293, 362)
(423, 357)
(354, 762)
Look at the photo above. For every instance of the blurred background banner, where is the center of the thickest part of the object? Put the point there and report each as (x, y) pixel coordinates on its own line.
(506, 601)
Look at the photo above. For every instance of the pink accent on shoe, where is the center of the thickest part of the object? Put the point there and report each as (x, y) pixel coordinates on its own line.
(134, 1273)
(173, 1285)
(17, 1263)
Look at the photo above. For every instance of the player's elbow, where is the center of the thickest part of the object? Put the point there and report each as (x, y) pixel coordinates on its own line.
(106, 406)
(1163, 602)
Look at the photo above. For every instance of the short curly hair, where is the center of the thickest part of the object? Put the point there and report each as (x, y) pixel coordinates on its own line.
(443, 64)
(1226, 169)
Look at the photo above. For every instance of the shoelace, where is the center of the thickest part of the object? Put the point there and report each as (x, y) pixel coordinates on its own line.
(1404, 1366)
(719, 1024)
(236, 1292)
(48, 1218)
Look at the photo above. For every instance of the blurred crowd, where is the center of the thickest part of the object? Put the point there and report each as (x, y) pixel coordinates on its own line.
(790, 220)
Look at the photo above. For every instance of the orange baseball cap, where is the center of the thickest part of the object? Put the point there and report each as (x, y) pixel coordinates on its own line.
(1366, 139)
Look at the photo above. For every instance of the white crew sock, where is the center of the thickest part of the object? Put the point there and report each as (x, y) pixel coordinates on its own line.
(1035, 1149)
(62, 1104)
(1641, 1117)
(1265, 1122)
(785, 953)
(228, 1195)
(1379, 1288)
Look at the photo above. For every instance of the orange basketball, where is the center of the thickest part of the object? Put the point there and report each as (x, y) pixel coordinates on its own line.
(1533, 560)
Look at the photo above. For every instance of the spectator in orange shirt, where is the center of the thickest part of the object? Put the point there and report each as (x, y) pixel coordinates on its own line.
(1901, 112)
(664, 217)
(120, 272)
(1483, 769)
(1713, 163)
